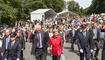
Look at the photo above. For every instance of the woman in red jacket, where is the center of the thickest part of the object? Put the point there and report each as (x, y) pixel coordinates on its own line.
(56, 45)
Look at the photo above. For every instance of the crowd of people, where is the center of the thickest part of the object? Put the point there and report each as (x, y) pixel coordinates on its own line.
(51, 35)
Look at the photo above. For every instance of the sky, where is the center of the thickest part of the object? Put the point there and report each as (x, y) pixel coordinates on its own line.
(83, 3)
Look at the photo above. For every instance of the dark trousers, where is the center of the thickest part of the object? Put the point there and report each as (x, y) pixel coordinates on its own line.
(1, 57)
(103, 55)
(97, 48)
(40, 55)
(84, 54)
(72, 43)
(12, 58)
(21, 57)
(56, 58)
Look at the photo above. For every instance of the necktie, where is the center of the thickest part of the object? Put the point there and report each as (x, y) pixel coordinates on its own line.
(38, 40)
(12, 44)
(7, 41)
(84, 34)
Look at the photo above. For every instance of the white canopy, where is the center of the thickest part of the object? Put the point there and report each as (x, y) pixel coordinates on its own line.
(71, 13)
(62, 12)
(102, 13)
(41, 14)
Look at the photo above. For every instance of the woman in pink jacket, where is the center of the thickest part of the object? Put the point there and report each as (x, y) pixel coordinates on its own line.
(56, 45)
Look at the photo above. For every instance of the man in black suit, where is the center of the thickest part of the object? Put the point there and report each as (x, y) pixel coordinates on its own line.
(21, 41)
(96, 38)
(13, 51)
(40, 42)
(5, 42)
(85, 44)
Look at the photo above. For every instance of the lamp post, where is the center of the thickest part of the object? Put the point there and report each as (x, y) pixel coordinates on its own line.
(0, 17)
(67, 5)
(22, 9)
(23, 5)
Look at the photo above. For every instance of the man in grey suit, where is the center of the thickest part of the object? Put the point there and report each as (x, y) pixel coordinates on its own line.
(85, 44)
(73, 34)
(14, 51)
(96, 39)
(40, 41)
(5, 42)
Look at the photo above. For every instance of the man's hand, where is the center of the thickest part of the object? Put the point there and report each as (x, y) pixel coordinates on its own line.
(22, 49)
(70, 39)
(91, 50)
(49, 48)
(5, 59)
(18, 59)
(64, 42)
(81, 50)
(2, 54)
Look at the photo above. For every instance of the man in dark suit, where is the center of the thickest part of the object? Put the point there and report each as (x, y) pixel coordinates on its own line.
(96, 38)
(40, 42)
(103, 51)
(85, 45)
(13, 51)
(73, 37)
(1, 39)
(5, 42)
(21, 41)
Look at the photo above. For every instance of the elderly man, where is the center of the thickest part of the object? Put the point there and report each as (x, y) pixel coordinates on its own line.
(13, 52)
(5, 42)
(40, 41)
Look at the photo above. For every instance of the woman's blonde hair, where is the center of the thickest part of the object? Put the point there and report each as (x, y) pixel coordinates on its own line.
(60, 28)
(55, 30)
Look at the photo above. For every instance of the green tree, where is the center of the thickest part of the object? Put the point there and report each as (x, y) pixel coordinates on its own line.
(57, 5)
(35, 5)
(8, 14)
(29, 7)
(48, 3)
(74, 7)
(1, 1)
(97, 6)
(12, 10)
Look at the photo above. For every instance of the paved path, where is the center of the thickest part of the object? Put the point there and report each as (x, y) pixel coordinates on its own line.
(67, 54)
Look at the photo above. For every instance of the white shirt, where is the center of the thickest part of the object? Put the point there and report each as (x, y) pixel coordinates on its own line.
(50, 34)
(95, 33)
(12, 43)
(0, 42)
